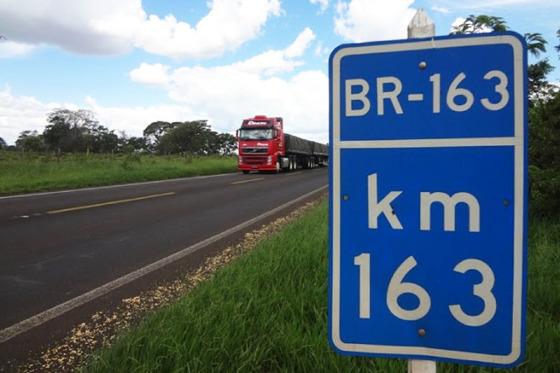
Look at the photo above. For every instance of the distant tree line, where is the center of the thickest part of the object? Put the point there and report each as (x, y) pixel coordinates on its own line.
(78, 131)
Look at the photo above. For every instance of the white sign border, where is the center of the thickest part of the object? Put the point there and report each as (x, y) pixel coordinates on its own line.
(517, 141)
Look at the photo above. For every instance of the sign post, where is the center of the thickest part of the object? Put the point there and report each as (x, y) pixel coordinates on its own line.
(428, 199)
(421, 26)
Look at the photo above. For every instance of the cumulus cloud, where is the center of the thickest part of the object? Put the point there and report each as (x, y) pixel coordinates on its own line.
(457, 22)
(21, 113)
(324, 4)
(112, 27)
(460, 20)
(150, 74)
(133, 120)
(9, 49)
(222, 94)
(298, 47)
(441, 9)
(229, 93)
(367, 20)
(486, 4)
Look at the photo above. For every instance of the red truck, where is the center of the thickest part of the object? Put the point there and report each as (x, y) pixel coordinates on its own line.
(263, 146)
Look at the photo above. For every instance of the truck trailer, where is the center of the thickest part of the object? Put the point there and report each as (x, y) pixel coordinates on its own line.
(263, 146)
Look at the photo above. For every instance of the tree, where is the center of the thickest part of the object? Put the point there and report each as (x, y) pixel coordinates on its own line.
(544, 156)
(30, 141)
(538, 85)
(481, 23)
(136, 144)
(536, 44)
(78, 131)
(193, 137)
(227, 143)
(3, 144)
(70, 130)
(154, 132)
(105, 141)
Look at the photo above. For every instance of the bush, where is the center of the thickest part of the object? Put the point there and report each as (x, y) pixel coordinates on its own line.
(544, 188)
(544, 156)
(129, 161)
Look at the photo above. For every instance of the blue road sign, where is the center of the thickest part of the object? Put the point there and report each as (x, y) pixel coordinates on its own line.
(428, 199)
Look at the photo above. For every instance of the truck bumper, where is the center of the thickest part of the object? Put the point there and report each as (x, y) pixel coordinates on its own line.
(257, 163)
(260, 167)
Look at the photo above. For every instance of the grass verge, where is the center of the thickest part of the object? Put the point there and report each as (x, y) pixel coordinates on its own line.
(23, 173)
(267, 311)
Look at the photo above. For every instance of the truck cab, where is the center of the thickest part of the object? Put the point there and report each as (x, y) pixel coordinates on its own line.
(261, 144)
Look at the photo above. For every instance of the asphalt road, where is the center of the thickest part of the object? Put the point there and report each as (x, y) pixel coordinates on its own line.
(55, 247)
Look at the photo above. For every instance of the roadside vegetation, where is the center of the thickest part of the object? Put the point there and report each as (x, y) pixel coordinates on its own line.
(267, 311)
(32, 172)
(75, 150)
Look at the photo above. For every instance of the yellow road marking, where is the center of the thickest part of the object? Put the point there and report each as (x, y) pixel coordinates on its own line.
(76, 208)
(247, 181)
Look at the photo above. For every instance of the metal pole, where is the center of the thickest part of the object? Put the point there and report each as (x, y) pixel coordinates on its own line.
(421, 26)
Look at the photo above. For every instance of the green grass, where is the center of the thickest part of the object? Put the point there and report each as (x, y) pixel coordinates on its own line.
(22, 173)
(267, 311)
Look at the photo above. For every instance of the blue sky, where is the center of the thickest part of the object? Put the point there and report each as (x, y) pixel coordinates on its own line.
(133, 62)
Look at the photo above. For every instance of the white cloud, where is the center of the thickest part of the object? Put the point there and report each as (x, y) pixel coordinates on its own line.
(277, 61)
(460, 20)
(440, 9)
(150, 74)
(481, 5)
(298, 47)
(320, 50)
(133, 120)
(9, 49)
(21, 113)
(111, 27)
(223, 94)
(324, 4)
(226, 94)
(369, 20)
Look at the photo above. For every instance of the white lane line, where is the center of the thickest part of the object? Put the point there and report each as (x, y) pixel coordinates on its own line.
(116, 186)
(247, 181)
(56, 311)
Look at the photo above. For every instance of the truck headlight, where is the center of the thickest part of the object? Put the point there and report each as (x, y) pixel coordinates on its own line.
(269, 159)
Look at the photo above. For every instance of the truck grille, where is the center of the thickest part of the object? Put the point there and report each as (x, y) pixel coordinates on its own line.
(254, 159)
(255, 150)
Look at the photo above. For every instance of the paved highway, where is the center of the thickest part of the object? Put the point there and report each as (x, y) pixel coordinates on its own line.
(58, 246)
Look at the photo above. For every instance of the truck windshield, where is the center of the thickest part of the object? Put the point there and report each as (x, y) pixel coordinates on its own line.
(256, 134)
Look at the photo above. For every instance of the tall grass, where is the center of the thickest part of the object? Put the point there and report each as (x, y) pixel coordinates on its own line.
(267, 311)
(20, 173)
